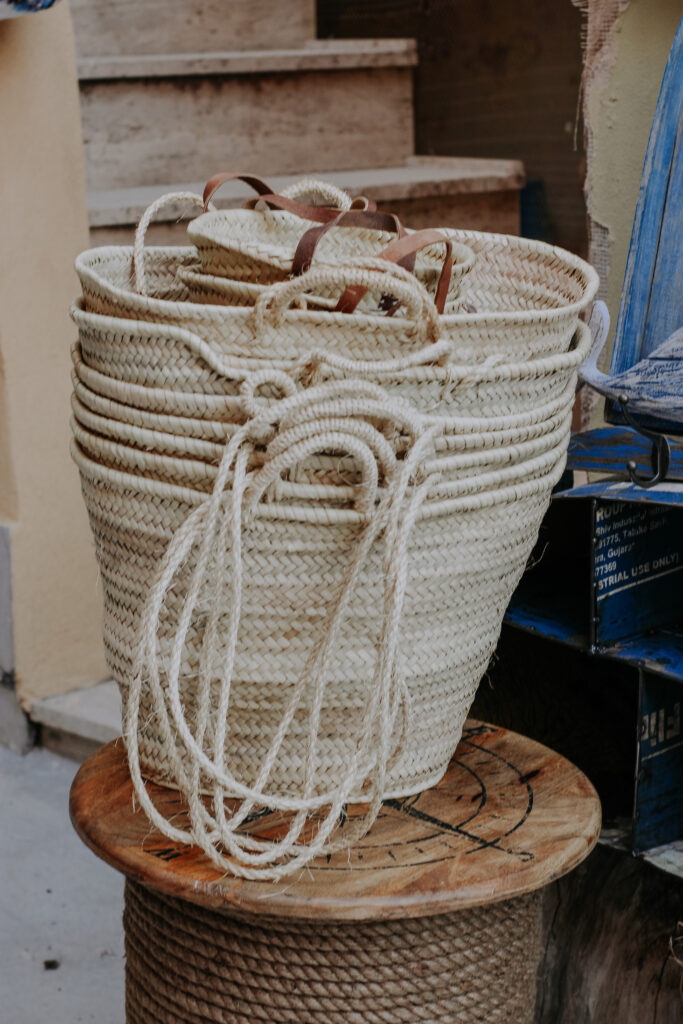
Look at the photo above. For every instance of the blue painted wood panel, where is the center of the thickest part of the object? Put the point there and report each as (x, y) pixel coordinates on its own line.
(554, 620)
(659, 652)
(608, 450)
(659, 793)
(637, 569)
(607, 576)
(670, 494)
(652, 298)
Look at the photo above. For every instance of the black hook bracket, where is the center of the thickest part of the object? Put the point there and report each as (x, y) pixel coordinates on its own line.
(660, 455)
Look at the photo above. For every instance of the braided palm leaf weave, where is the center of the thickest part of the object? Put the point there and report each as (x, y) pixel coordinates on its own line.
(309, 525)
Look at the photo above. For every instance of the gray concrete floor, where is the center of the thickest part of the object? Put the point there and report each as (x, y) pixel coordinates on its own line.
(61, 938)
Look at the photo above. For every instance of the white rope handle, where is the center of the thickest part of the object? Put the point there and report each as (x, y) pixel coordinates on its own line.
(311, 188)
(372, 274)
(143, 225)
(215, 530)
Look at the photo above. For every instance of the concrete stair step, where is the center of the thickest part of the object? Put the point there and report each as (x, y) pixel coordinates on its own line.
(329, 105)
(313, 55)
(170, 26)
(75, 724)
(458, 191)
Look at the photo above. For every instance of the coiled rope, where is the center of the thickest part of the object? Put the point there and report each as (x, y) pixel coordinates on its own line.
(189, 965)
(338, 415)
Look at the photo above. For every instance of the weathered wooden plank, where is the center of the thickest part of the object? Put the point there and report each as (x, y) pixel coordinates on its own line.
(140, 132)
(508, 817)
(652, 303)
(623, 490)
(177, 26)
(607, 956)
(659, 795)
(660, 652)
(610, 448)
(637, 569)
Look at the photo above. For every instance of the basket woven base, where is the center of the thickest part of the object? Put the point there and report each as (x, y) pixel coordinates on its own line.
(189, 965)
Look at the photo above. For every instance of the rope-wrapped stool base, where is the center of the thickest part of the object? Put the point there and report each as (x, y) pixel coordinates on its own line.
(189, 965)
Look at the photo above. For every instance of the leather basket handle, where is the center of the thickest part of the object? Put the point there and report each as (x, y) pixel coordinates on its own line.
(265, 193)
(402, 251)
(305, 250)
(214, 183)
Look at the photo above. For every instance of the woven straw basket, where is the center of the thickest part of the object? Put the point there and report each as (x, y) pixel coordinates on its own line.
(309, 523)
(210, 290)
(241, 252)
(464, 560)
(520, 300)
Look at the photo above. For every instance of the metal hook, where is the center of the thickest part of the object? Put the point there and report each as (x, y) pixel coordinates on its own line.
(660, 455)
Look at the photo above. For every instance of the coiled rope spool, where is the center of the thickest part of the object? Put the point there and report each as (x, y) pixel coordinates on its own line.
(189, 965)
(434, 916)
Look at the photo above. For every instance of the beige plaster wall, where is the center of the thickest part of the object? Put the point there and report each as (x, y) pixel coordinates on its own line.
(55, 593)
(620, 109)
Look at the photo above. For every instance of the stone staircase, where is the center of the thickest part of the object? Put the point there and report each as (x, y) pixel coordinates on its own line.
(174, 90)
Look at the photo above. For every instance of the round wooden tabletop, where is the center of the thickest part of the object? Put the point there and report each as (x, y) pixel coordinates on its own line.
(508, 817)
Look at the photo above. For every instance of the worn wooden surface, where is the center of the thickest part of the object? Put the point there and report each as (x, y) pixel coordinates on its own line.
(167, 26)
(652, 303)
(607, 957)
(607, 925)
(608, 449)
(508, 817)
(142, 132)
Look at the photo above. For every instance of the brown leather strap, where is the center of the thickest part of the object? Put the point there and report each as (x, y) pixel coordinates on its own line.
(214, 183)
(400, 251)
(320, 214)
(305, 250)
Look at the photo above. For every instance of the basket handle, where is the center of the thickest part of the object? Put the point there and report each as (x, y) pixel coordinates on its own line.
(331, 194)
(263, 190)
(308, 243)
(357, 277)
(402, 252)
(215, 182)
(282, 202)
(143, 225)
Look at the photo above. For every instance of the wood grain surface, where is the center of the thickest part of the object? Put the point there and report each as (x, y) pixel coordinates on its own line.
(508, 817)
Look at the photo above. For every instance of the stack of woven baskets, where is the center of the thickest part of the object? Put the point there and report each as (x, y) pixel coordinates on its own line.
(315, 449)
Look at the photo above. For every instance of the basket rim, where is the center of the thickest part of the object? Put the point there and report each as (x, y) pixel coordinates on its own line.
(86, 264)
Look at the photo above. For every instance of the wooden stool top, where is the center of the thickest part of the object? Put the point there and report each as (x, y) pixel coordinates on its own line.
(508, 817)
